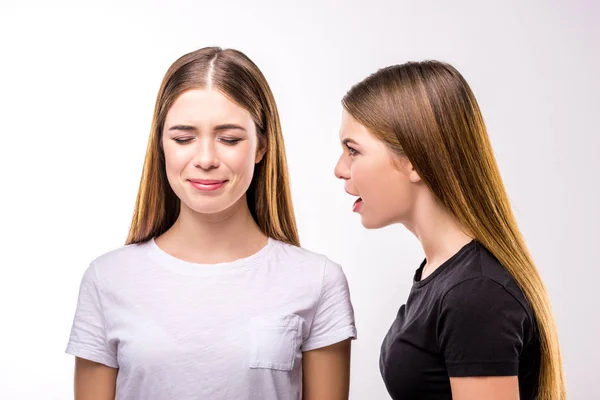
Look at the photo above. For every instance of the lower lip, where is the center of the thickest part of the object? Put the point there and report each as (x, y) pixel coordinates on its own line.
(357, 205)
(204, 187)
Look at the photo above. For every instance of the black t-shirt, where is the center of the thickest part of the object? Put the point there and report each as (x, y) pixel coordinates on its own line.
(468, 318)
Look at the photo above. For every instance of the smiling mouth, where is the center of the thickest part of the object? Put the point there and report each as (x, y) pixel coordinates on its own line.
(357, 205)
(207, 185)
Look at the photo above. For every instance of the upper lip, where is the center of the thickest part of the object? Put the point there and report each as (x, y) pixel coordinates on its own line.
(207, 181)
(351, 194)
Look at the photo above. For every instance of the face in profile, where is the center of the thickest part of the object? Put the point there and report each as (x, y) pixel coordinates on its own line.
(386, 185)
(211, 147)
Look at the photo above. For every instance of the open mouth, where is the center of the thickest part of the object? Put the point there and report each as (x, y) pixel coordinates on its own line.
(357, 205)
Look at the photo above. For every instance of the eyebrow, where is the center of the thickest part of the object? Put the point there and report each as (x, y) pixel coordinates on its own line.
(348, 140)
(227, 127)
(185, 128)
(222, 127)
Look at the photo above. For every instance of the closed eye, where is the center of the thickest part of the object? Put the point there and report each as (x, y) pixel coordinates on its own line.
(230, 141)
(183, 140)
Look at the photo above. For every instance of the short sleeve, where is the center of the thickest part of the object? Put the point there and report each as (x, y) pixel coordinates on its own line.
(481, 329)
(88, 334)
(334, 316)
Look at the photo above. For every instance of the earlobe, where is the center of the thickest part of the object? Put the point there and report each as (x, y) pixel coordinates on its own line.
(260, 154)
(413, 175)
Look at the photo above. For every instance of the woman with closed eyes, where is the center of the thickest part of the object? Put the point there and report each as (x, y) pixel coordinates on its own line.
(212, 297)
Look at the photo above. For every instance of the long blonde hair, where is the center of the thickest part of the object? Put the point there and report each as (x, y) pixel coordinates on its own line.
(427, 112)
(234, 74)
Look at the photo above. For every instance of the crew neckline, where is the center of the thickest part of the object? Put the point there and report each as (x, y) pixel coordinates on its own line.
(445, 264)
(175, 264)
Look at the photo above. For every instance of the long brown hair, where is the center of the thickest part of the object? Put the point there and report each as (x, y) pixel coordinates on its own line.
(427, 112)
(235, 75)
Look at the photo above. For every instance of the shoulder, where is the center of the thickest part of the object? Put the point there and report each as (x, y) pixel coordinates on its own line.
(303, 265)
(488, 280)
(477, 293)
(476, 279)
(483, 291)
(302, 259)
(479, 273)
(116, 262)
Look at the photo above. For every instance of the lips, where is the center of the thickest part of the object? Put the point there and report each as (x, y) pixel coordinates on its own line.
(206, 185)
(357, 205)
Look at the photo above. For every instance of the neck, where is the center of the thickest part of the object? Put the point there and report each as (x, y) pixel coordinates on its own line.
(213, 238)
(440, 234)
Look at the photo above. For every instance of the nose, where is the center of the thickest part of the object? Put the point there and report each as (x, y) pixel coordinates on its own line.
(342, 169)
(206, 157)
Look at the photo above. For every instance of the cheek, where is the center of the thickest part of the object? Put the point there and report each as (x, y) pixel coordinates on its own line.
(368, 177)
(177, 158)
(398, 198)
(240, 159)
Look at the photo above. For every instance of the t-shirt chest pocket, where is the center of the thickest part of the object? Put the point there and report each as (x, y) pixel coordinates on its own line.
(274, 341)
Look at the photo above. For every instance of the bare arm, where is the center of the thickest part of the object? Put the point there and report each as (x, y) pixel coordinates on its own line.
(486, 387)
(94, 381)
(326, 372)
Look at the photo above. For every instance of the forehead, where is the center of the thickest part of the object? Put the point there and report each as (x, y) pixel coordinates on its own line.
(206, 105)
(352, 129)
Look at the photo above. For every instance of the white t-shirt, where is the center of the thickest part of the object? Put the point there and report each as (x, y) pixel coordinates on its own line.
(178, 330)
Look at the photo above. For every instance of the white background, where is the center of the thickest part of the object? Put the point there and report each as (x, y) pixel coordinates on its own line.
(77, 89)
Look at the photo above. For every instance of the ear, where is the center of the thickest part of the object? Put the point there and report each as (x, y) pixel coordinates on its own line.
(261, 149)
(403, 164)
(413, 175)
(411, 172)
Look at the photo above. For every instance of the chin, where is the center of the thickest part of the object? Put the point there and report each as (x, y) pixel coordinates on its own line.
(215, 205)
(373, 224)
(205, 209)
(206, 206)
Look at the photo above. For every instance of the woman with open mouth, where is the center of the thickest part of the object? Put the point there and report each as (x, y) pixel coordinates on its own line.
(477, 323)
